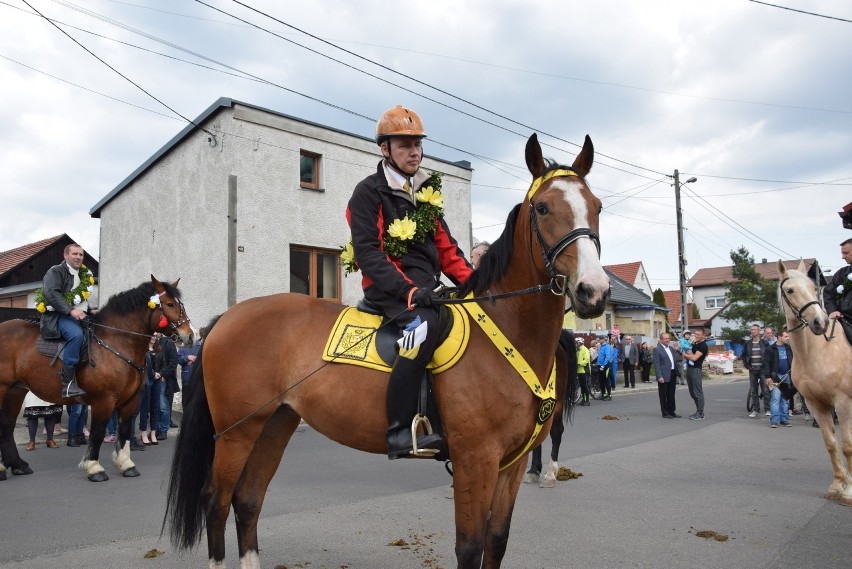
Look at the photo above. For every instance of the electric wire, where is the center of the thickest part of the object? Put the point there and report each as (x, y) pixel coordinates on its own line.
(802, 11)
(273, 18)
(119, 73)
(736, 226)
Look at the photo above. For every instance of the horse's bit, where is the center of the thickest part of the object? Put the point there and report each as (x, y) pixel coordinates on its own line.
(548, 253)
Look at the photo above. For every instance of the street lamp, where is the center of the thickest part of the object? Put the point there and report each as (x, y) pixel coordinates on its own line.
(680, 253)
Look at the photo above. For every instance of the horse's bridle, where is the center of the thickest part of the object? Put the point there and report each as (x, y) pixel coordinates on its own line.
(797, 312)
(182, 317)
(549, 253)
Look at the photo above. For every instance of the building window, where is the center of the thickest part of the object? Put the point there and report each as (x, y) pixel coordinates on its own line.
(714, 302)
(315, 272)
(309, 170)
(14, 302)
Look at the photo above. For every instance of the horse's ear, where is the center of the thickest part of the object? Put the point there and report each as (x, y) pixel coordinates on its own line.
(158, 286)
(583, 163)
(802, 268)
(175, 284)
(782, 270)
(535, 161)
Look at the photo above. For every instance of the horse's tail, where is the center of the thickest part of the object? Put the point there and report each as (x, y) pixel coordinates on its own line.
(566, 342)
(191, 464)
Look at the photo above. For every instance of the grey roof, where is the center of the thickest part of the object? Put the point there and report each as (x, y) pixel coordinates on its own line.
(625, 295)
(222, 102)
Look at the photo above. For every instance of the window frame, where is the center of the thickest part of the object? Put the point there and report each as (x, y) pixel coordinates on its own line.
(312, 270)
(718, 302)
(317, 170)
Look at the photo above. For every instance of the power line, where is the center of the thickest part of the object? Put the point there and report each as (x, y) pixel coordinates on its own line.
(89, 90)
(748, 234)
(273, 18)
(119, 73)
(801, 11)
(763, 180)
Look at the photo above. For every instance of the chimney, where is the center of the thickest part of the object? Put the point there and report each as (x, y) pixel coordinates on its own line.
(763, 261)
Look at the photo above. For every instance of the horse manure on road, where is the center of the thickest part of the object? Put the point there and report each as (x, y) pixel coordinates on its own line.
(710, 534)
(567, 474)
(399, 543)
(609, 418)
(153, 553)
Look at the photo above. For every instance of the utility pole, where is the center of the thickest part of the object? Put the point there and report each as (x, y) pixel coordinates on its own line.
(680, 252)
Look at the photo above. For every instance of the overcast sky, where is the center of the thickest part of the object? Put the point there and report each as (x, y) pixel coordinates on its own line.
(752, 100)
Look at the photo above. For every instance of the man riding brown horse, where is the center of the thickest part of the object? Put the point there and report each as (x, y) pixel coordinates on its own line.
(62, 316)
(402, 281)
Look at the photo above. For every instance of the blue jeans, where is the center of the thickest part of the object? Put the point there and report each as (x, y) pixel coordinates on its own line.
(165, 407)
(149, 406)
(112, 424)
(778, 408)
(78, 414)
(72, 333)
(144, 409)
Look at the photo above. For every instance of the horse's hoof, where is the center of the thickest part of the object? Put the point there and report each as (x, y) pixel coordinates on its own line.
(530, 478)
(98, 477)
(547, 482)
(130, 473)
(833, 494)
(22, 470)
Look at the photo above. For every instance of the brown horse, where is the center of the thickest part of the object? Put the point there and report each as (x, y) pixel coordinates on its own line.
(261, 371)
(122, 329)
(822, 372)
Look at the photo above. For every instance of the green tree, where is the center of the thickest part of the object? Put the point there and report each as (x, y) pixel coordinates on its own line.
(696, 314)
(660, 298)
(751, 298)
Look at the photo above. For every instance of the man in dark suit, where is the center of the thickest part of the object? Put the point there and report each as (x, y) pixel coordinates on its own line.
(664, 366)
(629, 358)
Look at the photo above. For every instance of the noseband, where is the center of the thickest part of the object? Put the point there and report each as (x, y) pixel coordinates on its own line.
(549, 253)
(797, 312)
(182, 317)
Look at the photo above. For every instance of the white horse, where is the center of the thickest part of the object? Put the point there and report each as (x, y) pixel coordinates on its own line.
(822, 371)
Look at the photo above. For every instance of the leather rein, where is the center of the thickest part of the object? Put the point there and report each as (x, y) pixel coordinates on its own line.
(182, 319)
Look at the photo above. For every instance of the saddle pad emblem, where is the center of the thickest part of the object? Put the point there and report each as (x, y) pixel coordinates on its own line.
(353, 341)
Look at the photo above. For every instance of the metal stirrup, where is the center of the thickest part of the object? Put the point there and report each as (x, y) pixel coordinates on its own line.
(427, 429)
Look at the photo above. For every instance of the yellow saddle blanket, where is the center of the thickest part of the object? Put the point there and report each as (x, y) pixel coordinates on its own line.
(354, 339)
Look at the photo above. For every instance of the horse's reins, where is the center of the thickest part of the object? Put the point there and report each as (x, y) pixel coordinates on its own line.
(797, 312)
(140, 368)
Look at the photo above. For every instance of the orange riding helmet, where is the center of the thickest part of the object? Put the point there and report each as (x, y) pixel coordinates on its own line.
(399, 121)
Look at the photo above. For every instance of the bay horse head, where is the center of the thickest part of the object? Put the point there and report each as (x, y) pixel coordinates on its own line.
(168, 314)
(564, 215)
(799, 301)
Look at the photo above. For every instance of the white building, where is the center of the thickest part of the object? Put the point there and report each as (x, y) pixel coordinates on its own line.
(250, 202)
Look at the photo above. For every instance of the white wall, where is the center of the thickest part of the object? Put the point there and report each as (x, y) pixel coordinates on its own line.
(172, 220)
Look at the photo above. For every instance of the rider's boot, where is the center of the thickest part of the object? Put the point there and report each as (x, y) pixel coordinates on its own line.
(403, 390)
(69, 382)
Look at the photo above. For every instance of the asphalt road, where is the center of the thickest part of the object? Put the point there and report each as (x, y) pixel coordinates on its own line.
(649, 485)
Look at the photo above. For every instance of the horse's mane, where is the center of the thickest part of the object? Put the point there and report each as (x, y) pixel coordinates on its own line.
(495, 261)
(129, 301)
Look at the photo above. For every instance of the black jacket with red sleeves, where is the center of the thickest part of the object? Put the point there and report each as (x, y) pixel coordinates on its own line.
(374, 205)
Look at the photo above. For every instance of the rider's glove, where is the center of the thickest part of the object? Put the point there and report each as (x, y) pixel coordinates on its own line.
(422, 297)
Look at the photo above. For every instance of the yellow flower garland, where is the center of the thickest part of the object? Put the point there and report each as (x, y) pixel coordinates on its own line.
(403, 232)
(74, 297)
